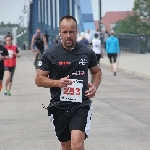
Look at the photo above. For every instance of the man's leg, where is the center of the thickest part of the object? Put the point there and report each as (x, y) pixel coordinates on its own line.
(6, 82)
(7, 78)
(115, 64)
(36, 56)
(37, 53)
(9, 86)
(115, 67)
(1, 85)
(10, 81)
(66, 145)
(1, 78)
(110, 60)
(77, 140)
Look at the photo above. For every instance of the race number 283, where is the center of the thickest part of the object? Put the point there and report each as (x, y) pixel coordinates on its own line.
(71, 91)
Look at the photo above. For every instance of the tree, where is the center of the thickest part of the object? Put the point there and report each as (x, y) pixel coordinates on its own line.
(142, 8)
(2, 24)
(129, 25)
(139, 22)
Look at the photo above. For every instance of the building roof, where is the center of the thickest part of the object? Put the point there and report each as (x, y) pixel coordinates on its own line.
(113, 17)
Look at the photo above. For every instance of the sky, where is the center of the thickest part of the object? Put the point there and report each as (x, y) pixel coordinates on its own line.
(116, 5)
(10, 10)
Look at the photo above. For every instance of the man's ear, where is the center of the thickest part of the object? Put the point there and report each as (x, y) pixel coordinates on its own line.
(59, 33)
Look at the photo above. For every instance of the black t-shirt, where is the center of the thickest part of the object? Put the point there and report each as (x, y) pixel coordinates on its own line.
(39, 43)
(46, 36)
(61, 63)
(3, 52)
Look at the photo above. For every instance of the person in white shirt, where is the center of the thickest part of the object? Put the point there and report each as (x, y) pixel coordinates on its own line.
(97, 47)
(88, 36)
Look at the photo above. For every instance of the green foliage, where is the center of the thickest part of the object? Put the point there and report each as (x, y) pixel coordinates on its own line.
(139, 22)
(142, 8)
(2, 24)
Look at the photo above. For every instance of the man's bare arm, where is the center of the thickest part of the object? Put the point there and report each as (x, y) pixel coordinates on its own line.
(42, 80)
(96, 79)
(96, 76)
(32, 42)
(45, 42)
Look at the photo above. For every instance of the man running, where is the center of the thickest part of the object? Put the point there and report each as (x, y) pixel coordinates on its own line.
(64, 69)
(10, 64)
(39, 41)
(3, 55)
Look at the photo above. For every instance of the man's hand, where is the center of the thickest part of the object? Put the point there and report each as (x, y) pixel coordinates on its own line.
(14, 53)
(64, 82)
(91, 92)
(32, 50)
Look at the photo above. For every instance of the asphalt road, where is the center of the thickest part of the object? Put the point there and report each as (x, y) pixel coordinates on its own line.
(120, 120)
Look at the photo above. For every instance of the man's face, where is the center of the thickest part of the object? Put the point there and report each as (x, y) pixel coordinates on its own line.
(38, 32)
(8, 41)
(68, 33)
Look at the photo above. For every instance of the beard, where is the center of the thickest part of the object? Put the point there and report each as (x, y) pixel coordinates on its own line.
(69, 43)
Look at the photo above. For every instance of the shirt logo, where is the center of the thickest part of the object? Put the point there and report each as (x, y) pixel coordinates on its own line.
(40, 63)
(83, 62)
(79, 73)
(64, 63)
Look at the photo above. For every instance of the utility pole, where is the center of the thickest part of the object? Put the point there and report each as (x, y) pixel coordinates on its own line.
(100, 15)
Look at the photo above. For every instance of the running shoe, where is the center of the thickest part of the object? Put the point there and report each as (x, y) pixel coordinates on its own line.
(115, 74)
(8, 93)
(5, 92)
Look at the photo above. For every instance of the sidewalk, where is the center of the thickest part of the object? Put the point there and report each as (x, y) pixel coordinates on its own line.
(138, 64)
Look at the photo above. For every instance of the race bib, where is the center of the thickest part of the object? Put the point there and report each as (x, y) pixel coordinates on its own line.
(72, 92)
(10, 52)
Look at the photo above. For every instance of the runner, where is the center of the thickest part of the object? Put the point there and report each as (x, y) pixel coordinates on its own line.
(3, 55)
(39, 41)
(10, 64)
(97, 47)
(112, 50)
(64, 69)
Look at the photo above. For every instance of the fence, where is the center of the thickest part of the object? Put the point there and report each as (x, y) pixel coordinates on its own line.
(134, 43)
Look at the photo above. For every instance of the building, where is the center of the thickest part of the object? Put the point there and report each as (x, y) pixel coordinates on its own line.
(110, 18)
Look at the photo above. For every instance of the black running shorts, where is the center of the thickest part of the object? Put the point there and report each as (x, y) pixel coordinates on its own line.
(66, 120)
(12, 70)
(112, 56)
(1, 74)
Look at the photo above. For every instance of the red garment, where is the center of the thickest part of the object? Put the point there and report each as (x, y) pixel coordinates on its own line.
(11, 61)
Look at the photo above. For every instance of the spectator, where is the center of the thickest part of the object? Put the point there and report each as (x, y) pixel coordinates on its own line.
(84, 41)
(112, 50)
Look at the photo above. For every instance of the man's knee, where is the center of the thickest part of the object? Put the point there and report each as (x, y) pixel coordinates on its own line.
(77, 145)
(77, 140)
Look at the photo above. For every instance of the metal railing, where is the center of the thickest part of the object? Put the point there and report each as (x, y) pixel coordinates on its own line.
(4, 30)
(134, 43)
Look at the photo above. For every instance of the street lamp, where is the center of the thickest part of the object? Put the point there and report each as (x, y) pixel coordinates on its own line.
(27, 6)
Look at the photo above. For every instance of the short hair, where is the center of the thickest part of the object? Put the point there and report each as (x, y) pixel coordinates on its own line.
(8, 36)
(112, 32)
(67, 18)
(38, 29)
(96, 35)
